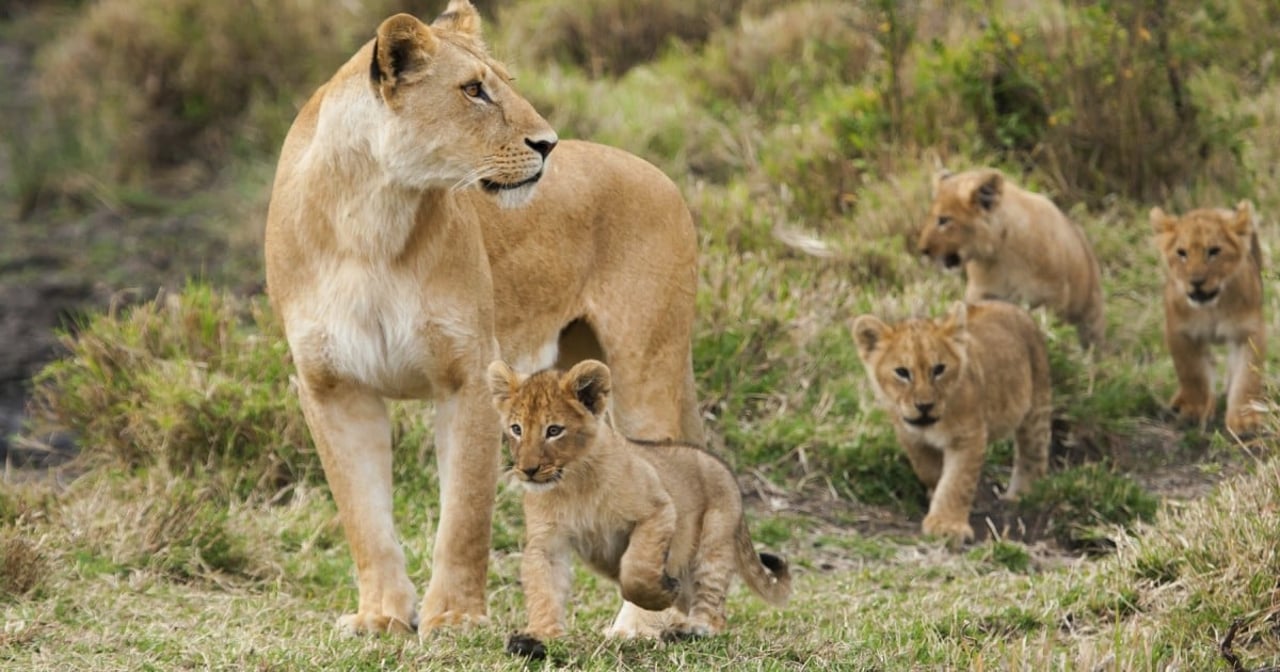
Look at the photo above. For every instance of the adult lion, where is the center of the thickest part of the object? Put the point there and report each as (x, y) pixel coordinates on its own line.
(398, 273)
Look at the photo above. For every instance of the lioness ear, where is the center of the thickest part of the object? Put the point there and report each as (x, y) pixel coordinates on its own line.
(868, 331)
(460, 16)
(403, 44)
(1243, 226)
(590, 382)
(1160, 221)
(938, 177)
(503, 382)
(988, 192)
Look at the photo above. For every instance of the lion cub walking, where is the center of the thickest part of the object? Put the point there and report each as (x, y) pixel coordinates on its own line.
(1015, 245)
(664, 521)
(1213, 294)
(953, 385)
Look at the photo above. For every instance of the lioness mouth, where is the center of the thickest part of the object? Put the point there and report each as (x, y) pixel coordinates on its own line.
(491, 186)
(922, 421)
(952, 260)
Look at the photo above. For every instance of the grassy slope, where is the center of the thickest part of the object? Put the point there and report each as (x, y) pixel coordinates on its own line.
(138, 569)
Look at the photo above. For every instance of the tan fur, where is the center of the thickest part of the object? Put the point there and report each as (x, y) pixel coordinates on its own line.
(981, 374)
(1213, 295)
(397, 276)
(664, 521)
(1015, 245)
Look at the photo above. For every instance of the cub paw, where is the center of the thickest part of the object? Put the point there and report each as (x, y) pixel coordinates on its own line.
(957, 531)
(353, 625)
(521, 644)
(686, 632)
(1245, 423)
(650, 597)
(1191, 409)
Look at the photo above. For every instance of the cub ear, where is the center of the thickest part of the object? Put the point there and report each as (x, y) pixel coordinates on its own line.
(1243, 224)
(987, 193)
(503, 382)
(403, 44)
(460, 16)
(589, 382)
(868, 331)
(1161, 222)
(938, 178)
(957, 319)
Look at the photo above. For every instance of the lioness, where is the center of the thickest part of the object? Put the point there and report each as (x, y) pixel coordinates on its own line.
(953, 385)
(662, 520)
(1015, 245)
(1213, 294)
(397, 274)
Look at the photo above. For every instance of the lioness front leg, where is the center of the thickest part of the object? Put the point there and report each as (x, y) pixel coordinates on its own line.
(953, 498)
(353, 436)
(1246, 360)
(1193, 364)
(467, 447)
(642, 573)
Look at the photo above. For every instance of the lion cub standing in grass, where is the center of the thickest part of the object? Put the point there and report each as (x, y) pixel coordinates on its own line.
(1213, 294)
(953, 385)
(664, 521)
(1015, 245)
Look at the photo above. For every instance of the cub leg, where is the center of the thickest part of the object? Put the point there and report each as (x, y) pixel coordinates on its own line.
(546, 574)
(714, 565)
(925, 460)
(642, 572)
(353, 436)
(467, 451)
(1194, 366)
(1031, 448)
(1245, 363)
(953, 498)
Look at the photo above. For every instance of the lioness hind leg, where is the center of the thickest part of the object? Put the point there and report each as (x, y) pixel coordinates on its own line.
(467, 451)
(353, 436)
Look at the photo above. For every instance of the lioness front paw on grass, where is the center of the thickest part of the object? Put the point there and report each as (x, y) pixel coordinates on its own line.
(954, 384)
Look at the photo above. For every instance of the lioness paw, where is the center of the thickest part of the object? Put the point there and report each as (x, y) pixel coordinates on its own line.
(522, 644)
(957, 531)
(353, 625)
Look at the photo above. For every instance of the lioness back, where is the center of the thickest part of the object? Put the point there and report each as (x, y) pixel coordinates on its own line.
(953, 385)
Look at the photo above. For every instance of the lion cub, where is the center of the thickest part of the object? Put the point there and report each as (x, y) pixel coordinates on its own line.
(955, 384)
(1015, 245)
(1213, 294)
(664, 521)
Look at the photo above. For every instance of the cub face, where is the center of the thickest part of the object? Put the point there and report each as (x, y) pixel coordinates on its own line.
(957, 217)
(552, 419)
(915, 365)
(1203, 249)
(449, 115)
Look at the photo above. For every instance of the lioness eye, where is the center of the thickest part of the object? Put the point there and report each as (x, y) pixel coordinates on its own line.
(554, 430)
(1213, 251)
(939, 369)
(1182, 254)
(515, 430)
(943, 221)
(902, 373)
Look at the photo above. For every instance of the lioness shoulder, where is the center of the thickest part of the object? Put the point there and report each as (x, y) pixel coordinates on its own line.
(1213, 294)
(663, 520)
(1015, 245)
(954, 384)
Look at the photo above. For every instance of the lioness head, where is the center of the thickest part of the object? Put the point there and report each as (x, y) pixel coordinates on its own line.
(450, 116)
(958, 217)
(552, 418)
(1204, 248)
(913, 365)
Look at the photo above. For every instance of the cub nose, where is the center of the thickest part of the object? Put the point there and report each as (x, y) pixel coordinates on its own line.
(530, 472)
(925, 408)
(1197, 283)
(542, 146)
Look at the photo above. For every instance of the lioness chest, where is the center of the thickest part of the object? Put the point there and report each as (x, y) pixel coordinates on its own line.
(382, 328)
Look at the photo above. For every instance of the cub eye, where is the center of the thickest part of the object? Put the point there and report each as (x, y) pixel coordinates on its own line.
(1182, 254)
(515, 430)
(943, 221)
(554, 430)
(476, 90)
(1213, 251)
(902, 373)
(939, 369)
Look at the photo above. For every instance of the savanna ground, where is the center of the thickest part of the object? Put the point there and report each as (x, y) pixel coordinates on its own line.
(193, 530)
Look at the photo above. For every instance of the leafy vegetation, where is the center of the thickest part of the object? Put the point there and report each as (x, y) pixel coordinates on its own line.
(195, 529)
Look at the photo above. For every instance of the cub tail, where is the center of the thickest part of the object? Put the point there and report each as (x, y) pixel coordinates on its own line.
(766, 573)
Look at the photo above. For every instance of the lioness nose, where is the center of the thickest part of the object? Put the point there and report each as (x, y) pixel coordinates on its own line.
(542, 146)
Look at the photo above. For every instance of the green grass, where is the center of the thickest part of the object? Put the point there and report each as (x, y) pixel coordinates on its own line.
(196, 530)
